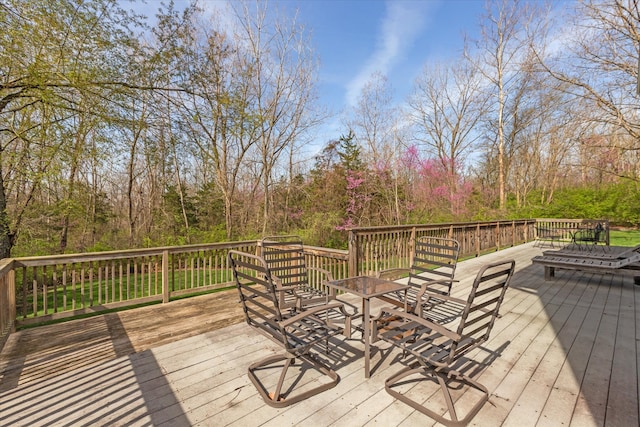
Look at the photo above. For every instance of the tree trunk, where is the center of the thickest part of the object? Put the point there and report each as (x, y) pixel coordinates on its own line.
(6, 236)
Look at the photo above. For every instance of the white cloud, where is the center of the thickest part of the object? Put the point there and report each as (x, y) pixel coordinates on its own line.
(403, 23)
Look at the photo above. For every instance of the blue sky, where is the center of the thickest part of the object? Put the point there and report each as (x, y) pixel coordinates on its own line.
(354, 38)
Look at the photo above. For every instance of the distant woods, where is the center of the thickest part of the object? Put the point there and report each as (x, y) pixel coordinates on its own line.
(117, 131)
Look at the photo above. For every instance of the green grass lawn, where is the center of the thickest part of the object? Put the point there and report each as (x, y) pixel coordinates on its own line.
(624, 238)
(109, 290)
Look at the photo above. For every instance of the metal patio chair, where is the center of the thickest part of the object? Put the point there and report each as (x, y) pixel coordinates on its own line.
(285, 257)
(590, 237)
(430, 276)
(440, 352)
(298, 332)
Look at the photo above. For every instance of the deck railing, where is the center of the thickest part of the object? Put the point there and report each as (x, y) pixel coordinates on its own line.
(40, 289)
(373, 249)
(563, 230)
(47, 288)
(52, 287)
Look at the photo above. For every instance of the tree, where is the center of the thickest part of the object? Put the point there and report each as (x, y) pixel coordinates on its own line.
(375, 124)
(282, 88)
(373, 120)
(52, 53)
(447, 105)
(598, 63)
(502, 47)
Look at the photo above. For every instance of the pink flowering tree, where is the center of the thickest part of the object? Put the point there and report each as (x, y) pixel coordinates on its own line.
(356, 200)
(433, 187)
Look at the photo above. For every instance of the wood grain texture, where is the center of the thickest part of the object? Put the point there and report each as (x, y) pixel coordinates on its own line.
(564, 352)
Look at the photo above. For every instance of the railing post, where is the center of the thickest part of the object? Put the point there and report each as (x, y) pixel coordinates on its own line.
(12, 299)
(7, 301)
(353, 254)
(412, 246)
(165, 276)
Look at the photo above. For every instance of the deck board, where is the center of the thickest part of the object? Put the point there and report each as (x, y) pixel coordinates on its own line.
(564, 352)
(622, 406)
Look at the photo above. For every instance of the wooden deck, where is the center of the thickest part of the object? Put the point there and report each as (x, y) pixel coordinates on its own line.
(565, 352)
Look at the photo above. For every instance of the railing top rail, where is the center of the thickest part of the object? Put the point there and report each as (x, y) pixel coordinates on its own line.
(440, 225)
(114, 255)
(335, 253)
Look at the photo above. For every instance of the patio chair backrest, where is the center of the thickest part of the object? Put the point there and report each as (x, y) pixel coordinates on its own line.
(257, 293)
(482, 308)
(302, 286)
(434, 259)
(285, 257)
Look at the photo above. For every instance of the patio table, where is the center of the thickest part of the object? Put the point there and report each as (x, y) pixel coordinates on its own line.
(366, 287)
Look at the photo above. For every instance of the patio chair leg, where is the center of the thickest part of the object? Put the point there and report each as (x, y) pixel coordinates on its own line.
(278, 400)
(347, 327)
(442, 375)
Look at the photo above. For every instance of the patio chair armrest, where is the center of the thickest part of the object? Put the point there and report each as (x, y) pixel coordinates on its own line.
(424, 287)
(284, 289)
(276, 280)
(328, 276)
(442, 297)
(448, 298)
(393, 273)
(313, 311)
(404, 317)
(279, 287)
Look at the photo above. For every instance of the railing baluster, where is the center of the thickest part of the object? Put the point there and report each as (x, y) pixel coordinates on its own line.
(64, 287)
(54, 279)
(45, 293)
(99, 268)
(120, 281)
(35, 291)
(91, 301)
(73, 288)
(82, 285)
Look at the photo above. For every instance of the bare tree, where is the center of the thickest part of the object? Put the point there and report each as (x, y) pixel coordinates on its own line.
(375, 123)
(216, 113)
(374, 119)
(502, 47)
(446, 106)
(598, 62)
(283, 87)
